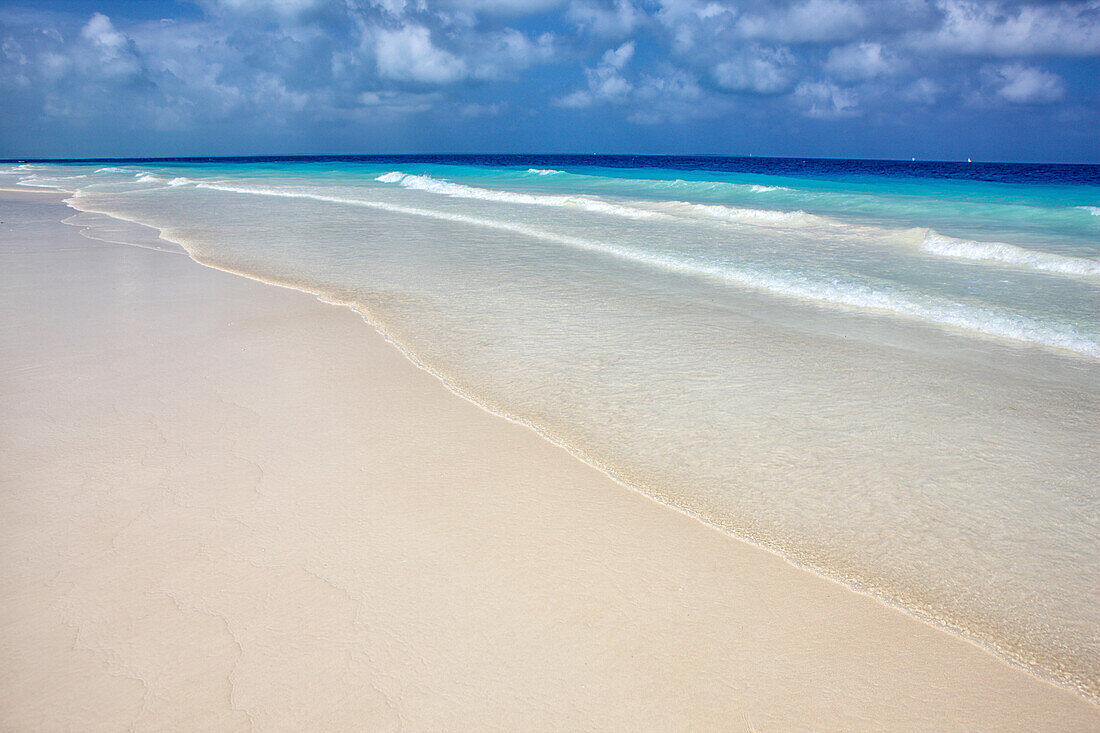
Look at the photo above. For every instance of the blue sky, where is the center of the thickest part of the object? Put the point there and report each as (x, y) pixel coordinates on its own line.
(934, 79)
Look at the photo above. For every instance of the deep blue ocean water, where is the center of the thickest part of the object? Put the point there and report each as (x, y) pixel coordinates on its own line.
(1052, 173)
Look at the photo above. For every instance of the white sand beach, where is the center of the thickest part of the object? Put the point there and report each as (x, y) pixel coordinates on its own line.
(229, 506)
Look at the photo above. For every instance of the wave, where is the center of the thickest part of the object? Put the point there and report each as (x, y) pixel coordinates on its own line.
(744, 215)
(110, 169)
(1094, 210)
(664, 184)
(153, 178)
(448, 188)
(943, 246)
(45, 182)
(726, 213)
(705, 186)
(980, 320)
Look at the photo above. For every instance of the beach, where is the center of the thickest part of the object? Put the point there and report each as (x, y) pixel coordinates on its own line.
(229, 505)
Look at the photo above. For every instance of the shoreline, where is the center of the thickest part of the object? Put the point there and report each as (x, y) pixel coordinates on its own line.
(881, 597)
(657, 513)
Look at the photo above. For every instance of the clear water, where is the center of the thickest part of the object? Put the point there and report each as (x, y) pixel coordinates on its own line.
(888, 372)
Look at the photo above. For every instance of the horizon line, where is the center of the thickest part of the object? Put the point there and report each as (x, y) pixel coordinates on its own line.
(749, 156)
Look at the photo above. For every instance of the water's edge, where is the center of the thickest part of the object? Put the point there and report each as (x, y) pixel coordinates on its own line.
(379, 327)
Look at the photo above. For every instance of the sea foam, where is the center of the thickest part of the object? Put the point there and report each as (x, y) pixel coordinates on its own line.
(943, 246)
(447, 188)
(681, 208)
(743, 215)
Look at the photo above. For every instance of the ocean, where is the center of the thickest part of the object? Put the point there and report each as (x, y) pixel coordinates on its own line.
(886, 371)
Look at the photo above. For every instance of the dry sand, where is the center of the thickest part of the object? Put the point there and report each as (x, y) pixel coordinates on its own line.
(226, 504)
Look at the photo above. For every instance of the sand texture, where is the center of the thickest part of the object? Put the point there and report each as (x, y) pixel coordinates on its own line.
(227, 505)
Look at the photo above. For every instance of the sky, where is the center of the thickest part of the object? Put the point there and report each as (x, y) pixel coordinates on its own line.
(931, 79)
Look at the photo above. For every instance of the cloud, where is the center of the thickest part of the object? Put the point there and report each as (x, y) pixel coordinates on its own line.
(282, 8)
(811, 21)
(398, 103)
(112, 53)
(605, 81)
(408, 54)
(989, 29)
(825, 100)
(665, 93)
(756, 69)
(615, 21)
(923, 91)
(501, 7)
(619, 57)
(860, 62)
(302, 65)
(1026, 85)
(670, 95)
(102, 33)
(504, 54)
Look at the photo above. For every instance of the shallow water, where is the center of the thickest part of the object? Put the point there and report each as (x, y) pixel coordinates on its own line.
(888, 373)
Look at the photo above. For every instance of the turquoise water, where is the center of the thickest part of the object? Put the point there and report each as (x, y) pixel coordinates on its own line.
(888, 375)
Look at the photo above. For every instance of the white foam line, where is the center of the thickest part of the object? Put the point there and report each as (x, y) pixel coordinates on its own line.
(943, 246)
(448, 188)
(665, 183)
(732, 214)
(743, 215)
(1008, 326)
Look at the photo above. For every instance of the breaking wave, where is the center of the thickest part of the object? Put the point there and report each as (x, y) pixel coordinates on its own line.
(743, 215)
(943, 246)
(447, 188)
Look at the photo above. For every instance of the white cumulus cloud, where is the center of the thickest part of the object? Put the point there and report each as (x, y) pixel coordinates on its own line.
(408, 54)
(811, 21)
(1019, 84)
(991, 29)
(760, 70)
